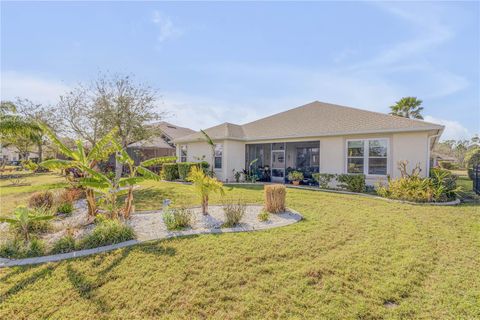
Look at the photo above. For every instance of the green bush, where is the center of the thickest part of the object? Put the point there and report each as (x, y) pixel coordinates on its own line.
(18, 249)
(63, 245)
(295, 176)
(472, 159)
(234, 212)
(170, 171)
(177, 218)
(41, 199)
(264, 215)
(204, 165)
(184, 169)
(323, 179)
(440, 187)
(65, 208)
(446, 165)
(352, 182)
(107, 232)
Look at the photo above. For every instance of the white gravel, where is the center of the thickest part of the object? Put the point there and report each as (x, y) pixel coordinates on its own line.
(149, 226)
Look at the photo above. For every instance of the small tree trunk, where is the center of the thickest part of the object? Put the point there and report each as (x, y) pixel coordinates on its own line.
(128, 204)
(118, 169)
(205, 205)
(92, 206)
(40, 152)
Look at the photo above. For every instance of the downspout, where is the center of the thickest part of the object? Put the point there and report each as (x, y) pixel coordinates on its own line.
(429, 151)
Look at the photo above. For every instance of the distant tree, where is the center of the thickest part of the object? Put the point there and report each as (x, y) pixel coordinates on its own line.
(112, 101)
(408, 107)
(35, 114)
(17, 130)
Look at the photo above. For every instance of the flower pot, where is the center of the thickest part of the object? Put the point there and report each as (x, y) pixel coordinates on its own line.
(296, 183)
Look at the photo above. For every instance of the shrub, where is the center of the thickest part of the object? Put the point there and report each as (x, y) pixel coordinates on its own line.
(18, 249)
(71, 195)
(170, 171)
(204, 165)
(64, 244)
(234, 212)
(323, 179)
(275, 198)
(107, 232)
(352, 182)
(24, 221)
(184, 169)
(177, 218)
(472, 157)
(41, 199)
(35, 248)
(295, 176)
(30, 165)
(471, 173)
(441, 187)
(65, 208)
(446, 165)
(263, 215)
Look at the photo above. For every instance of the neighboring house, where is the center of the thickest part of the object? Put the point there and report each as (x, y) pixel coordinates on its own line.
(11, 155)
(438, 157)
(160, 145)
(316, 137)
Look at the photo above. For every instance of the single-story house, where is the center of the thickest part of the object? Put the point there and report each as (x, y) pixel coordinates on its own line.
(316, 137)
(159, 145)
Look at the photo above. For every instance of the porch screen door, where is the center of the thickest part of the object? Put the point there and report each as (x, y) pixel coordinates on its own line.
(278, 166)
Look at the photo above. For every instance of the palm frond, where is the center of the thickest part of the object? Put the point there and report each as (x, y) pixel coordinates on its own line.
(131, 181)
(53, 138)
(104, 147)
(156, 161)
(58, 164)
(207, 138)
(147, 174)
(94, 183)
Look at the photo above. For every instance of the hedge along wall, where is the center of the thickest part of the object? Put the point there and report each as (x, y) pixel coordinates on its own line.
(170, 171)
(184, 169)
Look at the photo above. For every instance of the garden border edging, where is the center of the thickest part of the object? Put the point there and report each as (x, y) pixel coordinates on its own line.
(5, 262)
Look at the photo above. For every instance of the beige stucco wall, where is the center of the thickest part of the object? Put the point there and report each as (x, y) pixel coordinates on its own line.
(233, 156)
(411, 146)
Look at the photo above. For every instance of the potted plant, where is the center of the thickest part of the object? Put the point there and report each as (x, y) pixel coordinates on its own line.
(295, 177)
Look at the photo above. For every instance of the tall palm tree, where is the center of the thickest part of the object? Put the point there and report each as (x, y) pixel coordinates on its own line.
(408, 107)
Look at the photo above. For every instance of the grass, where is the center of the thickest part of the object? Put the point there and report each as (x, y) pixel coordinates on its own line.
(350, 258)
(12, 196)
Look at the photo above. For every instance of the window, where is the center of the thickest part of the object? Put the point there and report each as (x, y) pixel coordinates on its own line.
(183, 153)
(218, 156)
(367, 156)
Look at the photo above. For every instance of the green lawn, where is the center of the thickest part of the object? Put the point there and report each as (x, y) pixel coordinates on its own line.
(349, 257)
(11, 196)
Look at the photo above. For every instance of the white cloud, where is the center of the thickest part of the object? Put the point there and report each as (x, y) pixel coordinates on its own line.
(453, 129)
(38, 89)
(166, 28)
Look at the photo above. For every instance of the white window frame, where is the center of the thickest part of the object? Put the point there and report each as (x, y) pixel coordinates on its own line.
(186, 153)
(366, 153)
(215, 156)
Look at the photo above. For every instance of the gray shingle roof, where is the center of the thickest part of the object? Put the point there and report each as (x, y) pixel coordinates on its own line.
(314, 120)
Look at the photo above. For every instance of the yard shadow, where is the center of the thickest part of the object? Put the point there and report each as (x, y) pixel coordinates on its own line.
(245, 186)
(85, 287)
(157, 248)
(19, 286)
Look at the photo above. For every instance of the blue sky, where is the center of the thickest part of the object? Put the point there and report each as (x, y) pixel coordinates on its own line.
(215, 62)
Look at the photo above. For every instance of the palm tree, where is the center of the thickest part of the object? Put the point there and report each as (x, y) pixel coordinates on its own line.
(408, 107)
(212, 145)
(23, 218)
(111, 189)
(204, 185)
(86, 163)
